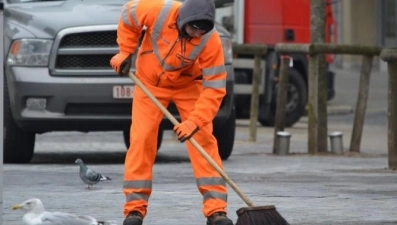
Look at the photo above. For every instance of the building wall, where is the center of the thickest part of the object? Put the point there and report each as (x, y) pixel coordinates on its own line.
(358, 27)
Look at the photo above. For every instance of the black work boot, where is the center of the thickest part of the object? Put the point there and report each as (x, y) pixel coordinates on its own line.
(219, 218)
(133, 218)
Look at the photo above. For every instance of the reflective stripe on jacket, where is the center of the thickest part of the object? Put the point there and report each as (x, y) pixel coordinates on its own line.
(167, 60)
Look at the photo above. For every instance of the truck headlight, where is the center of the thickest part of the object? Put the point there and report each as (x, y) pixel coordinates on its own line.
(227, 50)
(29, 52)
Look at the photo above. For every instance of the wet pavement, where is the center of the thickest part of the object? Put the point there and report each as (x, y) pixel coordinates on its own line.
(348, 189)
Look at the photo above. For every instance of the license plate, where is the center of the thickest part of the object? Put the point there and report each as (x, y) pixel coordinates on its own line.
(123, 91)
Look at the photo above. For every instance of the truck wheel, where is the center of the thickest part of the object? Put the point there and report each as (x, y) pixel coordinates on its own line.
(241, 100)
(296, 102)
(225, 136)
(126, 135)
(18, 146)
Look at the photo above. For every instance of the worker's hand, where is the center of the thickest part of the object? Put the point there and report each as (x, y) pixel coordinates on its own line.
(185, 130)
(121, 63)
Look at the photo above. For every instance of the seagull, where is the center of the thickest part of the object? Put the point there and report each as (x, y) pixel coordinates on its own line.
(89, 176)
(35, 214)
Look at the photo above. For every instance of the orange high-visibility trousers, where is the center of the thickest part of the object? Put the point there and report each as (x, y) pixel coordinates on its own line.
(141, 155)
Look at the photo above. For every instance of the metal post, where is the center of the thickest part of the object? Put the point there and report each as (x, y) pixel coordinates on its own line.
(238, 9)
(283, 142)
(336, 142)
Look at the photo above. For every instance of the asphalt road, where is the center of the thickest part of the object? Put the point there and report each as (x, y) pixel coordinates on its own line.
(328, 189)
(324, 189)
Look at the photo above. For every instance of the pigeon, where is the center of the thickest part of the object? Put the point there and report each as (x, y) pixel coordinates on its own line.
(35, 214)
(89, 176)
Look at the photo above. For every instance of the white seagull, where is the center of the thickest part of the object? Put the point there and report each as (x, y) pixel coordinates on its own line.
(35, 214)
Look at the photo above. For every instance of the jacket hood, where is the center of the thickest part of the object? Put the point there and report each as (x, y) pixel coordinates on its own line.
(192, 10)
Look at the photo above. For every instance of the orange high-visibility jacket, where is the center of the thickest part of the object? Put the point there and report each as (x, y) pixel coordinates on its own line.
(169, 59)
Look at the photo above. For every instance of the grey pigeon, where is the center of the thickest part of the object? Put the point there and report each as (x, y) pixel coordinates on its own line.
(89, 176)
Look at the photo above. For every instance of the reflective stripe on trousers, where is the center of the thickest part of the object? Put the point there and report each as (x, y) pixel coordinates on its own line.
(143, 148)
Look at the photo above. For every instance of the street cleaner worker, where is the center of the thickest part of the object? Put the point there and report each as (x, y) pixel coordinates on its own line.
(180, 60)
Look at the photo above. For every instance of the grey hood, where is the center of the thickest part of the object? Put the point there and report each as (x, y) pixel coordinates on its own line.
(192, 10)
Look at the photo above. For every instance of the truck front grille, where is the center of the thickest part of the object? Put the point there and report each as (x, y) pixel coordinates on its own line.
(83, 51)
(83, 62)
(91, 39)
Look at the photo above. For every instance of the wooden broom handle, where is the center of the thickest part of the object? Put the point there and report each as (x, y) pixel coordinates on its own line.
(194, 142)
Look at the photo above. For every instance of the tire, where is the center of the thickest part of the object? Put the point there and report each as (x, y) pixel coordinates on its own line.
(225, 136)
(18, 146)
(241, 100)
(126, 136)
(296, 103)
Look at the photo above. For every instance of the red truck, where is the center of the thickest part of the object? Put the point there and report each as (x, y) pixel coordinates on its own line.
(271, 22)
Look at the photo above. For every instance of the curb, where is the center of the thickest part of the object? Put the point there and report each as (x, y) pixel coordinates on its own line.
(336, 110)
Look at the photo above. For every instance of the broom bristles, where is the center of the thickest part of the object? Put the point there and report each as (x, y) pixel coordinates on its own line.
(260, 215)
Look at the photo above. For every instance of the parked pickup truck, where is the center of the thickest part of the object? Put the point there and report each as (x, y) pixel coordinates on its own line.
(57, 75)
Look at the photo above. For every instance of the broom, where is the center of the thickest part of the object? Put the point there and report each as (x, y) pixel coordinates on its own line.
(251, 215)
